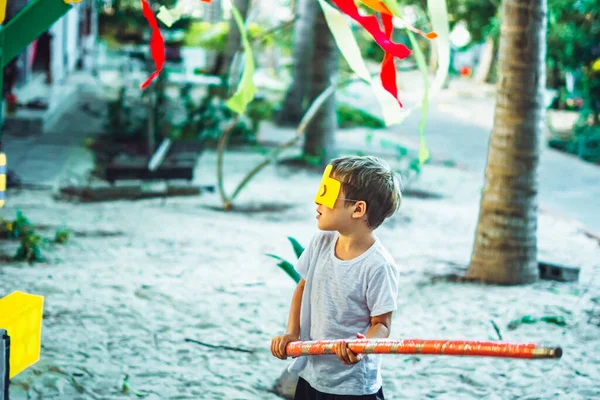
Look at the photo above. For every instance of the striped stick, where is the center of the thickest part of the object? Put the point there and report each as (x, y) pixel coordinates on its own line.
(434, 347)
(2, 179)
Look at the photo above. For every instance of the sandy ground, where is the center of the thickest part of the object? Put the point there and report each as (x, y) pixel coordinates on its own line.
(123, 305)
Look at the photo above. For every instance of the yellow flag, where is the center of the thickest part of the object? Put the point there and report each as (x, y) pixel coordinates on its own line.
(376, 5)
(2, 10)
(2, 179)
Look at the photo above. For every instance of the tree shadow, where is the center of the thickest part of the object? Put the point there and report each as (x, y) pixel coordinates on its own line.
(421, 194)
(253, 208)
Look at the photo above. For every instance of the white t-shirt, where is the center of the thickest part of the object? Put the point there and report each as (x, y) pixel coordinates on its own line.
(344, 295)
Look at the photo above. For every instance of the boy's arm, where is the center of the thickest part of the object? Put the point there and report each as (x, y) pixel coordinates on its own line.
(293, 326)
(292, 333)
(381, 325)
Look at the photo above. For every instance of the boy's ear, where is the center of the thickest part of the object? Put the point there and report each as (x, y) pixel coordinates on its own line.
(360, 209)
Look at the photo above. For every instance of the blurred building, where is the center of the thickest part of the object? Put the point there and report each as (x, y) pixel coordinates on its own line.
(39, 73)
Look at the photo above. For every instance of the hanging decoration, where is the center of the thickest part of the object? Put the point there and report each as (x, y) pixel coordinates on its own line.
(2, 179)
(246, 88)
(157, 43)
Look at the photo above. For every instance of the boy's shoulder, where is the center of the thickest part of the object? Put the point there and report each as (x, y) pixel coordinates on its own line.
(385, 255)
(382, 259)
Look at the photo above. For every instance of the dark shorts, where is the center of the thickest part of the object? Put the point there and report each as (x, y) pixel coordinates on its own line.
(305, 392)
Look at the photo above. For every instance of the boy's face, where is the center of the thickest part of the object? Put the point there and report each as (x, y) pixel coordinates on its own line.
(332, 213)
(329, 189)
(337, 218)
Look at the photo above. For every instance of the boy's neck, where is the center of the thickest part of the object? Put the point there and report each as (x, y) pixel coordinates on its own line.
(352, 244)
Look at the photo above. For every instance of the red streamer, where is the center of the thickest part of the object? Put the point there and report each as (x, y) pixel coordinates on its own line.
(383, 39)
(370, 23)
(388, 65)
(157, 43)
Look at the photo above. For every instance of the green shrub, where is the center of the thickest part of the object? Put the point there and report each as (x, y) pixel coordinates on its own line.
(349, 117)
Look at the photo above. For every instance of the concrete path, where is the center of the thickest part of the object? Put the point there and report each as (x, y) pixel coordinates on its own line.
(461, 127)
(59, 153)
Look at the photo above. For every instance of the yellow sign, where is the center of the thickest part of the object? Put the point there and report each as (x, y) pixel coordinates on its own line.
(21, 316)
(329, 190)
(2, 177)
(2, 10)
(596, 65)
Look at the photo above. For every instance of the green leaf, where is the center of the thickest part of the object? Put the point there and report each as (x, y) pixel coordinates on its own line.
(528, 319)
(275, 257)
(298, 249)
(287, 267)
(246, 88)
(438, 12)
(290, 270)
(126, 388)
(554, 319)
(497, 329)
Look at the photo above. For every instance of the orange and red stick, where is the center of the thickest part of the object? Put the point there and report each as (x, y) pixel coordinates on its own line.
(433, 347)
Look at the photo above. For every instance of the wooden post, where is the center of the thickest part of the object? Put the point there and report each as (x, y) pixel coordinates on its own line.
(4, 364)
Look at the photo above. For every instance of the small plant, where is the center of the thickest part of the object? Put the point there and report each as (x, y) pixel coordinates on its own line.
(287, 266)
(62, 236)
(350, 117)
(31, 243)
(15, 229)
(206, 121)
(30, 250)
(259, 110)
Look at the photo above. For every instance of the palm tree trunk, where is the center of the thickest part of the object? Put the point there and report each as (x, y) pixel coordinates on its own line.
(319, 138)
(293, 106)
(505, 249)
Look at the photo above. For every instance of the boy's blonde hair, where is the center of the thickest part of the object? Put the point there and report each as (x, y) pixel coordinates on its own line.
(371, 180)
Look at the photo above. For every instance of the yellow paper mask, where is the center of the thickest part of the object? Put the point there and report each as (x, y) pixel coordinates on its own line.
(329, 189)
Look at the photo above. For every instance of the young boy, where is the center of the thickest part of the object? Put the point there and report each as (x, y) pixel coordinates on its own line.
(349, 282)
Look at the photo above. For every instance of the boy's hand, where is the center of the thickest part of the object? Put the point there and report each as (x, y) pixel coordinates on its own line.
(279, 343)
(346, 355)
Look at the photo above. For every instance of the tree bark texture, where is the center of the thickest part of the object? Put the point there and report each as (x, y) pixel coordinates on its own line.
(319, 137)
(293, 106)
(505, 248)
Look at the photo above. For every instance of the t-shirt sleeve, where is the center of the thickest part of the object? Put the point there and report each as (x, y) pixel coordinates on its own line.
(304, 262)
(382, 290)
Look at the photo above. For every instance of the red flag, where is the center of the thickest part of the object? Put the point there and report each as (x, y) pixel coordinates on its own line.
(370, 23)
(388, 65)
(383, 39)
(157, 43)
